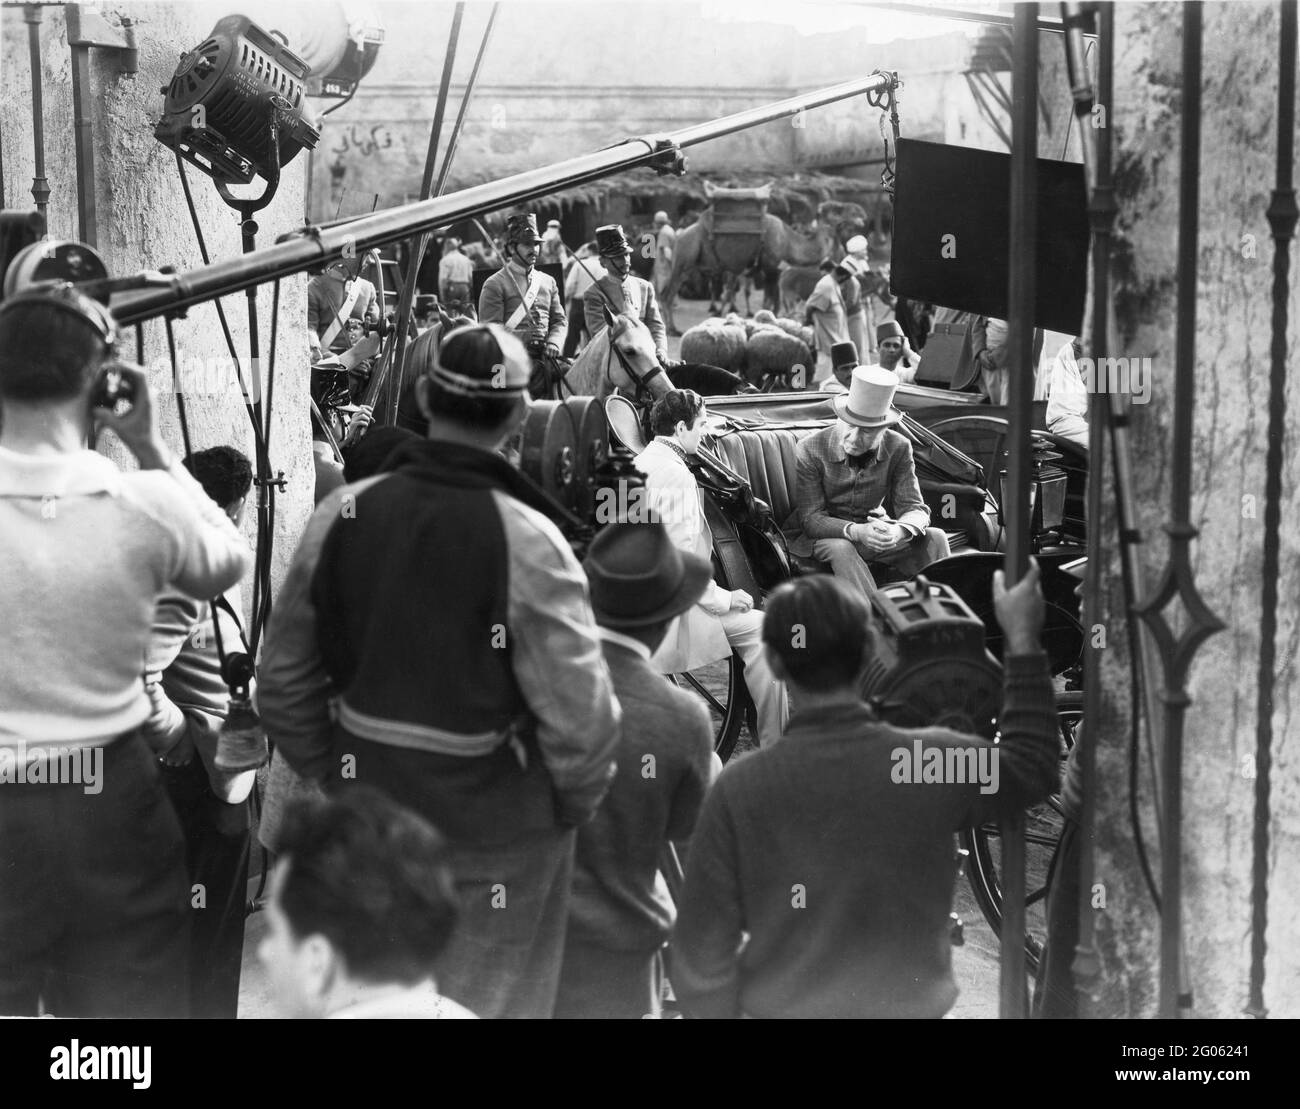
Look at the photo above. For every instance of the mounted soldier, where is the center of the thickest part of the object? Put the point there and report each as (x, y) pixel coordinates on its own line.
(623, 289)
(528, 303)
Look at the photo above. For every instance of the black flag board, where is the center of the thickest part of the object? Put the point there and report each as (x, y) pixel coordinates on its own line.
(952, 210)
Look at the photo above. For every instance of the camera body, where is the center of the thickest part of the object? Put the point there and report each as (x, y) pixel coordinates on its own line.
(112, 388)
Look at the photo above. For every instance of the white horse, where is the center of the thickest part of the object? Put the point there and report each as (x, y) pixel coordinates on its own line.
(619, 358)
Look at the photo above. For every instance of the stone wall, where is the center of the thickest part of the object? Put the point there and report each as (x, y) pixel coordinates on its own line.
(144, 224)
(1232, 363)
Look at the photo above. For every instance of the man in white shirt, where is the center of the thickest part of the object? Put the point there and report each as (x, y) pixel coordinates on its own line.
(93, 911)
(722, 620)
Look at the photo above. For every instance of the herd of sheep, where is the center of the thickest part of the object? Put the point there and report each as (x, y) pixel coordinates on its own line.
(765, 350)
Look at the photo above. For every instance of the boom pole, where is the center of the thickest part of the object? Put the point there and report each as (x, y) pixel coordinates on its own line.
(310, 247)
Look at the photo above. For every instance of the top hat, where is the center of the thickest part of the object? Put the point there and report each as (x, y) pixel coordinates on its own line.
(637, 577)
(843, 355)
(611, 242)
(869, 401)
(522, 228)
(890, 329)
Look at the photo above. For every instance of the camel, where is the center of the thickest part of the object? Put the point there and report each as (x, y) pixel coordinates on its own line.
(733, 254)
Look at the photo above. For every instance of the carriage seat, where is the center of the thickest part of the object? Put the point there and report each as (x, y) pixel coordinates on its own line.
(766, 459)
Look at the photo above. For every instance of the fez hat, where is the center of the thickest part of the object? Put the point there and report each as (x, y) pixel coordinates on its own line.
(843, 355)
(890, 329)
(869, 401)
(637, 577)
(611, 242)
(522, 227)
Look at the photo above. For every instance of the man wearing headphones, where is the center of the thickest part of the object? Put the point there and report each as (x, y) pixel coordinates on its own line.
(93, 889)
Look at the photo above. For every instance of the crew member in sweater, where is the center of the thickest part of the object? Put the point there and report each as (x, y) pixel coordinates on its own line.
(623, 289)
(93, 890)
(621, 911)
(466, 678)
(724, 620)
(822, 871)
(527, 302)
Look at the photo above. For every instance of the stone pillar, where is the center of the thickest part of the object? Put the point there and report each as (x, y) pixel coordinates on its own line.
(144, 224)
(1232, 364)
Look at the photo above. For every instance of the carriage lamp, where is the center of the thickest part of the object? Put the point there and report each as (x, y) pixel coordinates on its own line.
(928, 665)
(236, 105)
(1047, 489)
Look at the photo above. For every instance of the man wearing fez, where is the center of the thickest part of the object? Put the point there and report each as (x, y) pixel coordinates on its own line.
(526, 301)
(844, 360)
(466, 680)
(857, 493)
(623, 289)
(896, 352)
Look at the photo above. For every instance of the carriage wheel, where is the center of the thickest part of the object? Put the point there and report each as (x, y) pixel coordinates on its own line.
(721, 686)
(982, 438)
(1043, 825)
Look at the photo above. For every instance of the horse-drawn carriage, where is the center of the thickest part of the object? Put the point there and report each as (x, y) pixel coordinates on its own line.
(937, 641)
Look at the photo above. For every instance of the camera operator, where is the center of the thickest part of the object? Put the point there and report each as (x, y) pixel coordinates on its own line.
(94, 891)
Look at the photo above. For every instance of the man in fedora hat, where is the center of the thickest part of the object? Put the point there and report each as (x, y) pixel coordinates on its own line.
(620, 287)
(620, 913)
(857, 493)
(527, 302)
(723, 620)
(466, 680)
(844, 360)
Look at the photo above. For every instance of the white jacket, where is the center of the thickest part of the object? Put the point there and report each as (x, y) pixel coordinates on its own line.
(697, 637)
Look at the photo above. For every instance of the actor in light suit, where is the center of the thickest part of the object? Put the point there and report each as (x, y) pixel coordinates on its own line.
(722, 620)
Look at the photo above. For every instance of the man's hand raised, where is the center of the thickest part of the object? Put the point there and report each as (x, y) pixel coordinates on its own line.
(1020, 611)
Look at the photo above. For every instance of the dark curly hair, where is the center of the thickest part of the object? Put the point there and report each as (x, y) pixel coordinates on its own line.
(224, 472)
(679, 405)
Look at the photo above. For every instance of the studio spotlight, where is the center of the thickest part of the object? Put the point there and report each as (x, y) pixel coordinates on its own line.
(237, 105)
(341, 47)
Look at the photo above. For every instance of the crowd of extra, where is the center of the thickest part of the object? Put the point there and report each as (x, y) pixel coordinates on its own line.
(477, 765)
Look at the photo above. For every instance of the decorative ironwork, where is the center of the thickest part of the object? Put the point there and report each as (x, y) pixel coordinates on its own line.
(40, 186)
(1177, 579)
(1282, 216)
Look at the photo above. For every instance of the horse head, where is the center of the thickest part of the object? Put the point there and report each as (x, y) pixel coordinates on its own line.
(636, 361)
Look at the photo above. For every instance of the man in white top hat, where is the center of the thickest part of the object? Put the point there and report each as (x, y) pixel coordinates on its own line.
(857, 493)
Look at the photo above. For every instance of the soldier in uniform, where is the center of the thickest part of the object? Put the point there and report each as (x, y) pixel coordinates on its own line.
(527, 303)
(625, 290)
